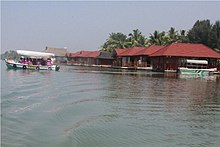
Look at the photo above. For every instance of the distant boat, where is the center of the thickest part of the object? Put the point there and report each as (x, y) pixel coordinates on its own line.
(197, 67)
(33, 61)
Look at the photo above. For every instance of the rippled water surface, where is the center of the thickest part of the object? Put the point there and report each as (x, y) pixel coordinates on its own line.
(89, 107)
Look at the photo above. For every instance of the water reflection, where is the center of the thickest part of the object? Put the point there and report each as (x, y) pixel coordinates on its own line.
(97, 70)
(185, 104)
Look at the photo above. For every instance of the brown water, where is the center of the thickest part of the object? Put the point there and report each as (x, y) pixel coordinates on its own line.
(83, 107)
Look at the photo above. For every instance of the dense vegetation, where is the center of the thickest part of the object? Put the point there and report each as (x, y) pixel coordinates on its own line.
(202, 32)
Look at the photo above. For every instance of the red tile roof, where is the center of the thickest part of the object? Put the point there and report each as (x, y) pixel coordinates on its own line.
(149, 50)
(129, 51)
(137, 51)
(119, 51)
(187, 50)
(89, 54)
(73, 54)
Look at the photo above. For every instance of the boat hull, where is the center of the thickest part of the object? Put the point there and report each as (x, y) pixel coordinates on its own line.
(15, 65)
(197, 71)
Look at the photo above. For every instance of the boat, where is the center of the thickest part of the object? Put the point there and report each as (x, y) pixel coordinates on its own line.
(197, 67)
(32, 60)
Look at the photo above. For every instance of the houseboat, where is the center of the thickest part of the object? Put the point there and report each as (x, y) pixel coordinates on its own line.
(197, 67)
(33, 61)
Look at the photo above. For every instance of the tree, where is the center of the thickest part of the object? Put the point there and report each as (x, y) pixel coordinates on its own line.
(119, 40)
(200, 32)
(214, 40)
(166, 38)
(137, 39)
(183, 37)
(173, 36)
(158, 38)
(115, 40)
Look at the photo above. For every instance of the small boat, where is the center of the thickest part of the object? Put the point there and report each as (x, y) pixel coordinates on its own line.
(197, 67)
(33, 61)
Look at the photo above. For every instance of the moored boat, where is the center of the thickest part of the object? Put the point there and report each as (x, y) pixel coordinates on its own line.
(197, 67)
(33, 61)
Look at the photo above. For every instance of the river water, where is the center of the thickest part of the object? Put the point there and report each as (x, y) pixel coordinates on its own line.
(89, 107)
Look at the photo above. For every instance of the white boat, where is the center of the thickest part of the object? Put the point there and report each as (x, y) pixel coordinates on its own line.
(197, 67)
(33, 60)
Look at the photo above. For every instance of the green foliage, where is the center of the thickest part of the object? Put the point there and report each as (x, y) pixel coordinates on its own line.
(137, 39)
(119, 40)
(214, 40)
(206, 33)
(183, 37)
(163, 38)
(115, 40)
(201, 32)
(158, 38)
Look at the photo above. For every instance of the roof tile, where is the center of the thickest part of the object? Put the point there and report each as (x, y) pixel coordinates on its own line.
(137, 51)
(89, 54)
(187, 50)
(149, 50)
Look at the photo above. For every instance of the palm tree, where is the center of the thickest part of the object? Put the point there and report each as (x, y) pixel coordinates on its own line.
(183, 37)
(115, 40)
(173, 36)
(158, 38)
(136, 38)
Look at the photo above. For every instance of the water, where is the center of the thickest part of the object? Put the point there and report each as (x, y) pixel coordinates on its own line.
(87, 107)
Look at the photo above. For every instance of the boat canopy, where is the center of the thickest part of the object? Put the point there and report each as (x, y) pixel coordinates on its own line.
(197, 61)
(34, 53)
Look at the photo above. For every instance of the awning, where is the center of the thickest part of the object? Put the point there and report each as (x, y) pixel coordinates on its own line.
(197, 61)
(34, 54)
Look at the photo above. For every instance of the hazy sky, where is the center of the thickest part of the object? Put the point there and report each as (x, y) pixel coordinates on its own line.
(87, 25)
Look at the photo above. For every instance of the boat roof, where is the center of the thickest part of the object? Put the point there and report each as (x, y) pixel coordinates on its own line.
(197, 61)
(34, 53)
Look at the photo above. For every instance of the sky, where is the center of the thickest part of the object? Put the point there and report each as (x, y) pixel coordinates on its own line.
(85, 25)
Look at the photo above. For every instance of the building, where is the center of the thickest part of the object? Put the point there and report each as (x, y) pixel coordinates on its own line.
(126, 57)
(135, 57)
(104, 58)
(156, 58)
(82, 58)
(60, 53)
(173, 56)
(90, 58)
